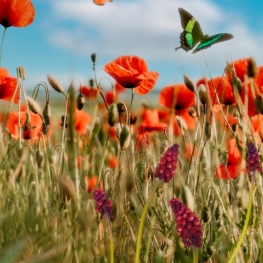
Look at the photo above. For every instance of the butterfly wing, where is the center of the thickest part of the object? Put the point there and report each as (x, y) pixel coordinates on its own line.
(101, 2)
(211, 40)
(192, 32)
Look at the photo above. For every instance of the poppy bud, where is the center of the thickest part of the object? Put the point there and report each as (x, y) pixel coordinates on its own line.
(112, 114)
(33, 106)
(129, 184)
(64, 121)
(210, 248)
(19, 149)
(125, 137)
(47, 110)
(202, 94)
(208, 130)
(55, 84)
(80, 101)
(189, 83)
(206, 214)
(93, 57)
(91, 83)
(252, 68)
(259, 103)
(192, 112)
(39, 158)
(133, 119)
(67, 189)
(236, 82)
(21, 72)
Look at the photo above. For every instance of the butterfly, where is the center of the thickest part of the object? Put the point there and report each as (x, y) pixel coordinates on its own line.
(193, 34)
(101, 2)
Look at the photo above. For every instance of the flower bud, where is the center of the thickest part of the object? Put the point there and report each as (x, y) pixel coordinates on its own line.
(252, 68)
(202, 94)
(91, 83)
(208, 130)
(189, 84)
(80, 101)
(125, 137)
(192, 112)
(33, 106)
(112, 114)
(67, 189)
(55, 84)
(21, 72)
(206, 214)
(93, 57)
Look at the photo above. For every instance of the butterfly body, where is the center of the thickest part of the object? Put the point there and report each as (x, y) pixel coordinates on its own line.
(193, 34)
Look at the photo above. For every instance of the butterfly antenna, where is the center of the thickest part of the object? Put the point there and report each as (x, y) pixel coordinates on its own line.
(178, 48)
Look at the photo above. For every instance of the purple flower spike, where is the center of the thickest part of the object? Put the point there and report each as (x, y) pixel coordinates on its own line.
(253, 160)
(168, 163)
(188, 224)
(103, 204)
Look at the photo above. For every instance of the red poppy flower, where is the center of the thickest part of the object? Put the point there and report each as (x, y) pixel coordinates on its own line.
(237, 68)
(8, 86)
(91, 183)
(223, 88)
(132, 72)
(82, 121)
(112, 162)
(257, 123)
(110, 97)
(90, 93)
(18, 13)
(235, 163)
(150, 121)
(177, 97)
(30, 130)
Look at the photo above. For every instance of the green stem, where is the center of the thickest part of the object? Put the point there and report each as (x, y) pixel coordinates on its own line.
(195, 254)
(111, 240)
(2, 44)
(144, 213)
(248, 215)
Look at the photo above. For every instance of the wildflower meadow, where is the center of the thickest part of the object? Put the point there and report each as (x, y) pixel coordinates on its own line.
(95, 175)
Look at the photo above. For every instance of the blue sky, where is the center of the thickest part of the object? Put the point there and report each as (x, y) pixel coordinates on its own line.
(65, 32)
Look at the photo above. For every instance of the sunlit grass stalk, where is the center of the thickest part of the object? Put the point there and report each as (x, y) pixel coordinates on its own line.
(248, 216)
(103, 156)
(111, 239)
(144, 214)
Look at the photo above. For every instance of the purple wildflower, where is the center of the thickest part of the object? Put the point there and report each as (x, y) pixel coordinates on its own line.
(253, 160)
(103, 204)
(168, 163)
(188, 224)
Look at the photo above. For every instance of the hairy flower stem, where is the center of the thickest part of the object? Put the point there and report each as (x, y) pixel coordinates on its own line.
(2, 44)
(144, 213)
(248, 215)
(129, 113)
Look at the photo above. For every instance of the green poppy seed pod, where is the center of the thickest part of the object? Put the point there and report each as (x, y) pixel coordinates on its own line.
(21, 72)
(55, 84)
(259, 103)
(252, 69)
(192, 112)
(189, 83)
(96, 126)
(125, 137)
(187, 198)
(236, 82)
(39, 159)
(206, 214)
(91, 83)
(80, 101)
(33, 106)
(93, 58)
(202, 94)
(112, 114)
(208, 130)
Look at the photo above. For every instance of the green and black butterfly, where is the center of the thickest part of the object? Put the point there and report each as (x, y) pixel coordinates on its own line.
(192, 34)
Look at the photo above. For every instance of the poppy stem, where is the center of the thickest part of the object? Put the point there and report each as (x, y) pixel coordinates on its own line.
(2, 44)
(129, 115)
